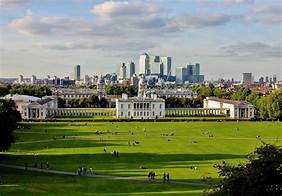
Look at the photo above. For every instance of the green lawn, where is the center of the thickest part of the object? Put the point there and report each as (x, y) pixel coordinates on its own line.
(162, 147)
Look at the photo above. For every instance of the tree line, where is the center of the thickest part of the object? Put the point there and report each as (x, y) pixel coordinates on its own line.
(91, 102)
(33, 90)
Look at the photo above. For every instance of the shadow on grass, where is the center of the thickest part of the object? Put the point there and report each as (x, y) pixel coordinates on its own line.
(31, 182)
(126, 161)
(67, 143)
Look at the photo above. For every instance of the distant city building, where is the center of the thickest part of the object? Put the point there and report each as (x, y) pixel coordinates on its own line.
(179, 93)
(155, 65)
(266, 79)
(261, 80)
(236, 109)
(130, 69)
(77, 72)
(125, 70)
(33, 79)
(144, 64)
(190, 73)
(181, 74)
(20, 79)
(101, 87)
(274, 78)
(247, 78)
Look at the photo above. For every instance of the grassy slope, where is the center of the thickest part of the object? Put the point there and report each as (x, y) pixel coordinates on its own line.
(174, 154)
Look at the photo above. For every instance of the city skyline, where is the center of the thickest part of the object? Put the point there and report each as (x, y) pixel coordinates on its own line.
(50, 38)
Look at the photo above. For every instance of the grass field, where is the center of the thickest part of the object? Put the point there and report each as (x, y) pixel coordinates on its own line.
(162, 147)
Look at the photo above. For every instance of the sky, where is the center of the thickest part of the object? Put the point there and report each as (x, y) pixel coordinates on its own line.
(227, 37)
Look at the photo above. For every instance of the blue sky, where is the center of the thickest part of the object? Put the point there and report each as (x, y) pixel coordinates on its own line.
(227, 37)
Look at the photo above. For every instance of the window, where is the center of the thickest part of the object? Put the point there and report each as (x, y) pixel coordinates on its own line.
(147, 113)
(153, 106)
(160, 106)
(160, 113)
(134, 105)
(121, 114)
(128, 106)
(134, 114)
(128, 113)
(153, 113)
(121, 106)
(41, 113)
(137, 113)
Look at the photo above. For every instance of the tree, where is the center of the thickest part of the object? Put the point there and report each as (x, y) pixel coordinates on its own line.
(261, 175)
(9, 117)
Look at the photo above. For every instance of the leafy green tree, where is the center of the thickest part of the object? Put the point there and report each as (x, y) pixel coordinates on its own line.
(261, 175)
(9, 117)
(4, 90)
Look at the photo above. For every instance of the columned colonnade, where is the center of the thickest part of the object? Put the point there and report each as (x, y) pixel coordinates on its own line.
(196, 112)
(81, 112)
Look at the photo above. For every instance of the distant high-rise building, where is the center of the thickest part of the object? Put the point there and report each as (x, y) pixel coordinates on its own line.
(77, 72)
(166, 65)
(130, 69)
(191, 74)
(33, 79)
(155, 65)
(181, 74)
(247, 78)
(123, 71)
(266, 79)
(144, 64)
(261, 80)
(20, 79)
(274, 78)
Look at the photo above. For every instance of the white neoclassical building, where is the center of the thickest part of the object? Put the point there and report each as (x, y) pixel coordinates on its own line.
(140, 107)
(31, 107)
(236, 109)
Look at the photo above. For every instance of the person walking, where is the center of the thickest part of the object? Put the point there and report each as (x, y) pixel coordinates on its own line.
(164, 177)
(167, 177)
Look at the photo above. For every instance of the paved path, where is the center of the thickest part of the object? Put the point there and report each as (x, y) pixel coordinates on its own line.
(50, 171)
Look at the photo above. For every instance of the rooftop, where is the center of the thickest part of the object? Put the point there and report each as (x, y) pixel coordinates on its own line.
(228, 101)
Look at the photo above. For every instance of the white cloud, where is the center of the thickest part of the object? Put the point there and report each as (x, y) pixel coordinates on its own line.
(201, 20)
(12, 3)
(252, 50)
(238, 1)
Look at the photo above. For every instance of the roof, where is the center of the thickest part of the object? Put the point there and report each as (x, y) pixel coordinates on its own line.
(228, 101)
(141, 99)
(24, 98)
(43, 101)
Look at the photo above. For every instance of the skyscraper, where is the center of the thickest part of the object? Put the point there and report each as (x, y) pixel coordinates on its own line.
(155, 65)
(181, 74)
(247, 78)
(166, 65)
(144, 64)
(274, 78)
(125, 70)
(77, 72)
(130, 69)
(191, 73)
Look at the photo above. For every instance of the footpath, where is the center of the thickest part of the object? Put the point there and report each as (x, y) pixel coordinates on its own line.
(59, 172)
